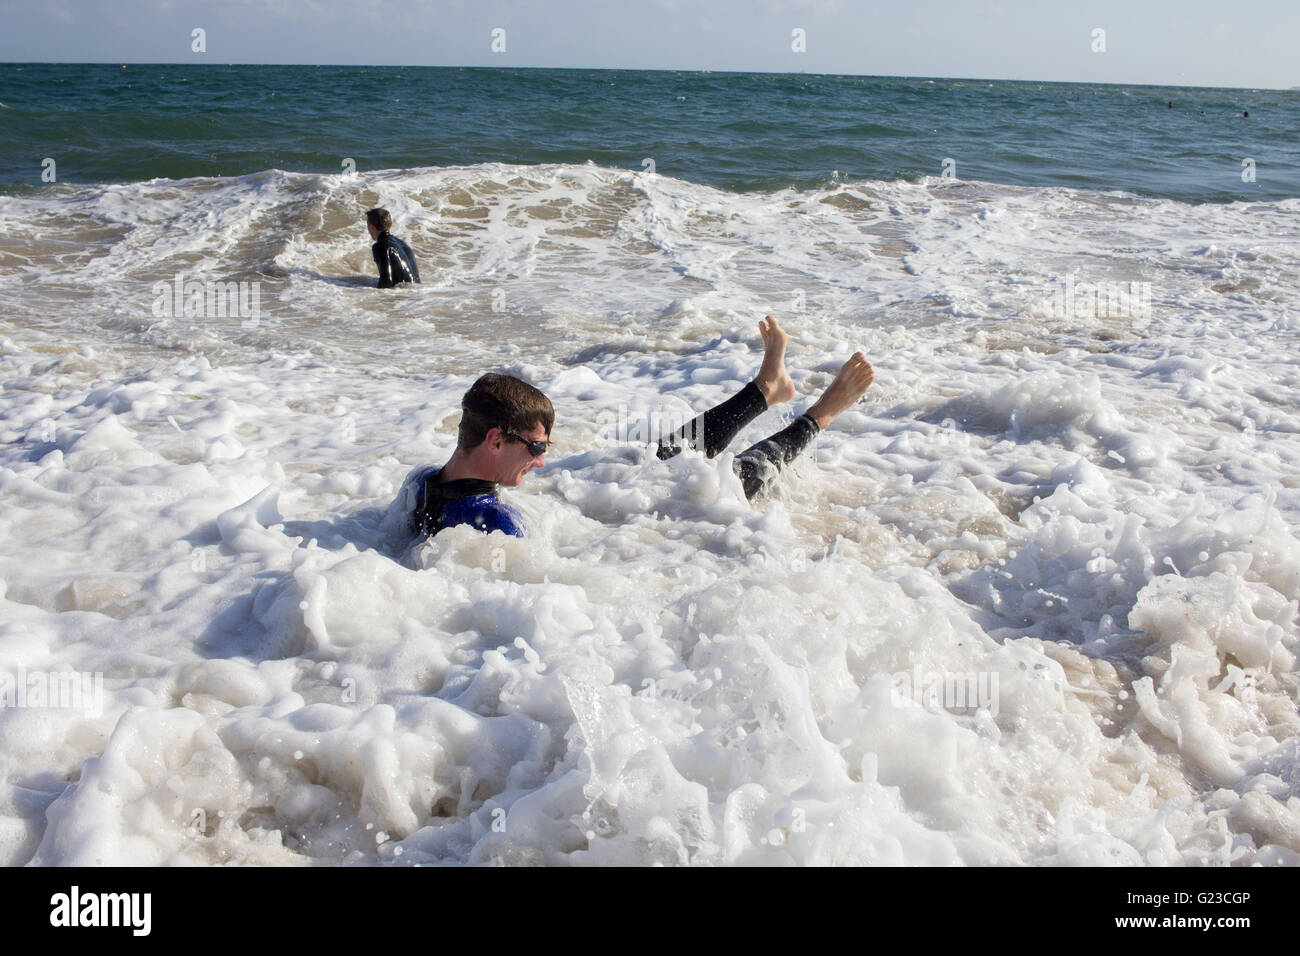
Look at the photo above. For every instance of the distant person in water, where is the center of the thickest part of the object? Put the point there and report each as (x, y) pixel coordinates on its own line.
(505, 430)
(394, 258)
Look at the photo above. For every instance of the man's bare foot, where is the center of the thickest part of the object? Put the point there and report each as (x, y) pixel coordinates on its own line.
(854, 378)
(772, 379)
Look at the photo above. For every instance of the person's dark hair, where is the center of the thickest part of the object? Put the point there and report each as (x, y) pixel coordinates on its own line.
(380, 219)
(505, 402)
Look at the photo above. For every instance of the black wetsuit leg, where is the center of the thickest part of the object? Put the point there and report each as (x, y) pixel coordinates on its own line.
(713, 431)
(756, 465)
(759, 464)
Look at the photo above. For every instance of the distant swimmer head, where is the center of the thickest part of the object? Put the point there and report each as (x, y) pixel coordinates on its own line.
(379, 221)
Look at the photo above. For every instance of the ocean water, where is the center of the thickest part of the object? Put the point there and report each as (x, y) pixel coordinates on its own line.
(737, 132)
(1033, 601)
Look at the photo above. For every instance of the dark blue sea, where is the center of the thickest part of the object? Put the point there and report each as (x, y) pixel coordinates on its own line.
(734, 131)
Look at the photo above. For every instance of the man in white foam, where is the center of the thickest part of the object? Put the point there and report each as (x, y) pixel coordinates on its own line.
(506, 423)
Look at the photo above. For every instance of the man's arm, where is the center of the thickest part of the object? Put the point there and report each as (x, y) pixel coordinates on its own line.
(411, 263)
(381, 260)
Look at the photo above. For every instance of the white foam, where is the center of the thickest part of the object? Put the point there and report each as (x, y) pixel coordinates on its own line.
(1096, 515)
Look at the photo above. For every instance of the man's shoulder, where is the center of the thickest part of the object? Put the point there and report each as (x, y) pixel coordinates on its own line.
(418, 475)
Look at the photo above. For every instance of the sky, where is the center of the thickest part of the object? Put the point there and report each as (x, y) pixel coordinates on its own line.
(1242, 43)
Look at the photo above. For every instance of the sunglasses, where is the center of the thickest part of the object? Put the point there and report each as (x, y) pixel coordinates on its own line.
(535, 448)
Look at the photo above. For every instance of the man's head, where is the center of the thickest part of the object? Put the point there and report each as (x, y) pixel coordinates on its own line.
(377, 221)
(501, 416)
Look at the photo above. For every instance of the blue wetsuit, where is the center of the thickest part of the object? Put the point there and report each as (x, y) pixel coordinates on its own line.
(395, 260)
(469, 501)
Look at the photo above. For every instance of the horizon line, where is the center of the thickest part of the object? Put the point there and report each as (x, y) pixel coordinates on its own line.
(636, 69)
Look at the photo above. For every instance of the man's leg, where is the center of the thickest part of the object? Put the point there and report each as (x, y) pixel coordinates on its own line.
(761, 463)
(714, 430)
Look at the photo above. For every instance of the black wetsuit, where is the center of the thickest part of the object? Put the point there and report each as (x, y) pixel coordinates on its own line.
(756, 465)
(395, 260)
